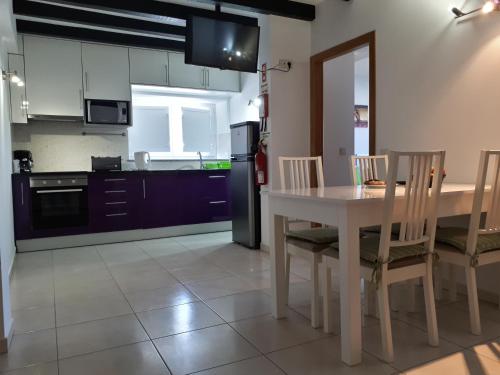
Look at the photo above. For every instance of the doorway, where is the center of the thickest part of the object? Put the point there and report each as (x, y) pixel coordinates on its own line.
(343, 117)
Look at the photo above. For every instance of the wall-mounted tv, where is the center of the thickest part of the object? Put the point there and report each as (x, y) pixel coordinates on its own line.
(218, 43)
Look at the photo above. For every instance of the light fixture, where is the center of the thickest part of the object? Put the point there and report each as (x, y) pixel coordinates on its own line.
(257, 102)
(488, 7)
(20, 83)
(238, 53)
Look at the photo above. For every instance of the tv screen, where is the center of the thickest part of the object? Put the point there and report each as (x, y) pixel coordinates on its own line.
(222, 44)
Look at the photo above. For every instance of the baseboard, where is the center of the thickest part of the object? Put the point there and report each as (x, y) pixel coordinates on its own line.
(6, 341)
(122, 236)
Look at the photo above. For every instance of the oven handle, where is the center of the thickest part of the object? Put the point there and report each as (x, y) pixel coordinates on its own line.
(58, 191)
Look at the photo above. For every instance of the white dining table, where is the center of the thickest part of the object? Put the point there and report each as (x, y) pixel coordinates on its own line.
(348, 208)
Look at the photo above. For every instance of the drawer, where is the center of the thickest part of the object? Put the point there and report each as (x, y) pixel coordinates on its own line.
(116, 183)
(216, 186)
(219, 210)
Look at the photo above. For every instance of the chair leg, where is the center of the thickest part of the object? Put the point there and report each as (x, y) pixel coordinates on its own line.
(430, 307)
(475, 320)
(315, 316)
(287, 274)
(385, 322)
(452, 287)
(327, 304)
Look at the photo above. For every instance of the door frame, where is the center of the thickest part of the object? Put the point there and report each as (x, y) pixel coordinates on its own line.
(316, 97)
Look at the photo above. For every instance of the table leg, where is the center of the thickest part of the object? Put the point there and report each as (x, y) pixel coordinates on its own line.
(350, 296)
(278, 267)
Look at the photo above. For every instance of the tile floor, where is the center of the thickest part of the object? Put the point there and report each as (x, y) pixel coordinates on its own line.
(200, 304)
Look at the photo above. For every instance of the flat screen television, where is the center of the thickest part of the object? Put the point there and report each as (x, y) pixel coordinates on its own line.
(218, 43)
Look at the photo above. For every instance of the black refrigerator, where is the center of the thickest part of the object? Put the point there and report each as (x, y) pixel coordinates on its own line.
(245, 194)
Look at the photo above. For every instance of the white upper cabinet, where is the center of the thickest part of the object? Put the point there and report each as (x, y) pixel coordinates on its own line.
(222, 80)
(19, 114)
(185, 75)
(53, 76)
(193, 76)
(105, 72)
(148, 67)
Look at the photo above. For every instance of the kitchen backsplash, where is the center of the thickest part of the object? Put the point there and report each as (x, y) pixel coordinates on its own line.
(62, 147)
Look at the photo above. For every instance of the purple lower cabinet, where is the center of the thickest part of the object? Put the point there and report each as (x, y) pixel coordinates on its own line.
(115, 201)
(162, 200)
(21, 196)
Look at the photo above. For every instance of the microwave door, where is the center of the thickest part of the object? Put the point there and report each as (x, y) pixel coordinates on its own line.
(104, 112)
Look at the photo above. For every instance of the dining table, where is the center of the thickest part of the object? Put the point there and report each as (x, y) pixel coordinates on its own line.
(347, 208)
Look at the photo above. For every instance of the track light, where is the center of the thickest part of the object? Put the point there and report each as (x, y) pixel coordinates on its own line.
(488, 7)
(12, 77)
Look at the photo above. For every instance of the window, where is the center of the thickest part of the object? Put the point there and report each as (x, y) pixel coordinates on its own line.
(178, 127)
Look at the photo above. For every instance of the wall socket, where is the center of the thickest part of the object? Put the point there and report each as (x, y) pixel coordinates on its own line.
(284, 64)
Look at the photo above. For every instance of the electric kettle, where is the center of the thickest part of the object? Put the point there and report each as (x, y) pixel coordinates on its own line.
(142, 160)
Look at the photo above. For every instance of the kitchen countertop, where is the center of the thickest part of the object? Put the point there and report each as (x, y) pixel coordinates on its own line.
(173, 171)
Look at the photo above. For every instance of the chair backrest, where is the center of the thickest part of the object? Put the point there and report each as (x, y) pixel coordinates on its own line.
(492, 223)
(298, 172)
(365, 168)
(421, 195)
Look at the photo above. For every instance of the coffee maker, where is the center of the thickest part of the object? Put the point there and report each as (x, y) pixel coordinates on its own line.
(25, 160)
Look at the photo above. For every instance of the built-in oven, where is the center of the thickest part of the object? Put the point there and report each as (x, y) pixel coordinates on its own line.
(59, 201)
(107, 112)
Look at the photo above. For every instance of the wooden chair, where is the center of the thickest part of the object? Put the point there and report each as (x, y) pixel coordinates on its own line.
(385, 261)
(365, 168)
(477, 245)
(300, 173)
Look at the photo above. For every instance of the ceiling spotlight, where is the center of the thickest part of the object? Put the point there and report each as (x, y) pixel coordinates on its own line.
(20, 83)
(238, 53)
(15, 79)
(488, 7)
(457, 12)
(10, 75)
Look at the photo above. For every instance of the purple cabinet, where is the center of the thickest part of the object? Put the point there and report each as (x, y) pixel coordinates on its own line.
(162, 199)
(21, 196)
(115, 201)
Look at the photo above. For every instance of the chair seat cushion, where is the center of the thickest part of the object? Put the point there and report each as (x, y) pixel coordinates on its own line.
(396, 227)
(457, 237)
(369, 247)
(320, 236)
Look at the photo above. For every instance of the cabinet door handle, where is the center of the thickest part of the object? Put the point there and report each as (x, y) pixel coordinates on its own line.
(144, 188)
(218, 202)
(115, 191)
(208, 77)
(203, 77)
(216, 176)
(167, 78)
(87, 81)
(80, 93)
(113, 215)
(22, 193)
(114, 179)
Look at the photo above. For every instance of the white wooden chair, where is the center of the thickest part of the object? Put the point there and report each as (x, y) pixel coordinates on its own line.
(300, 173)
(385, 261)
(477, 245)
(365, 168)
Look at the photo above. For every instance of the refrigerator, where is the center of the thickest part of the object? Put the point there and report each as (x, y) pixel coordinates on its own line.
(245, 194)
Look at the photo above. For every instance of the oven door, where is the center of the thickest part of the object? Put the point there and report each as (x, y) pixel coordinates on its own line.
(59, 207)
(107, 112)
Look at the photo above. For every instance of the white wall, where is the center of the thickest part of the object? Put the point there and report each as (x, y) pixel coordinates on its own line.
(239, 110)
(437, 78)
(7, 247)
(288, 122)
(338, 122)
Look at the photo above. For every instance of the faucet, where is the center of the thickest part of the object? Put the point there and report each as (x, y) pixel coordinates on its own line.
(201, 159)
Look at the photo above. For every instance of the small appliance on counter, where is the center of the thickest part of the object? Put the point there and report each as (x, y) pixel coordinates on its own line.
(244, 192)
(25, 160)
(106, 164)
(142, 160)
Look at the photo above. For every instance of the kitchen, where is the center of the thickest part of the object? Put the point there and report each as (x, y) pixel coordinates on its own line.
(138, 182)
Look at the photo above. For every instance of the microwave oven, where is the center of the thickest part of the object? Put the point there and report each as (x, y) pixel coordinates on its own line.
(107, 112)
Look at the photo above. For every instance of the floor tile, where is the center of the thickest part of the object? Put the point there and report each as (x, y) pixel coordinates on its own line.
(198, 271)
(98, 335)
(86, 289)
(490, 349)
(219, 287)
(178, 319)
(41, 369)
(462, 363)
(241, 306)
(262, 279)
(269, 334)
(259, 365)
(322, 357)
(88, 309)
(453, 324)
(160, 298)
(411, 346)
(177, 260)
(136, 359)
(34, 319)
(29, 349)
(203, 349)
(146, 280)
